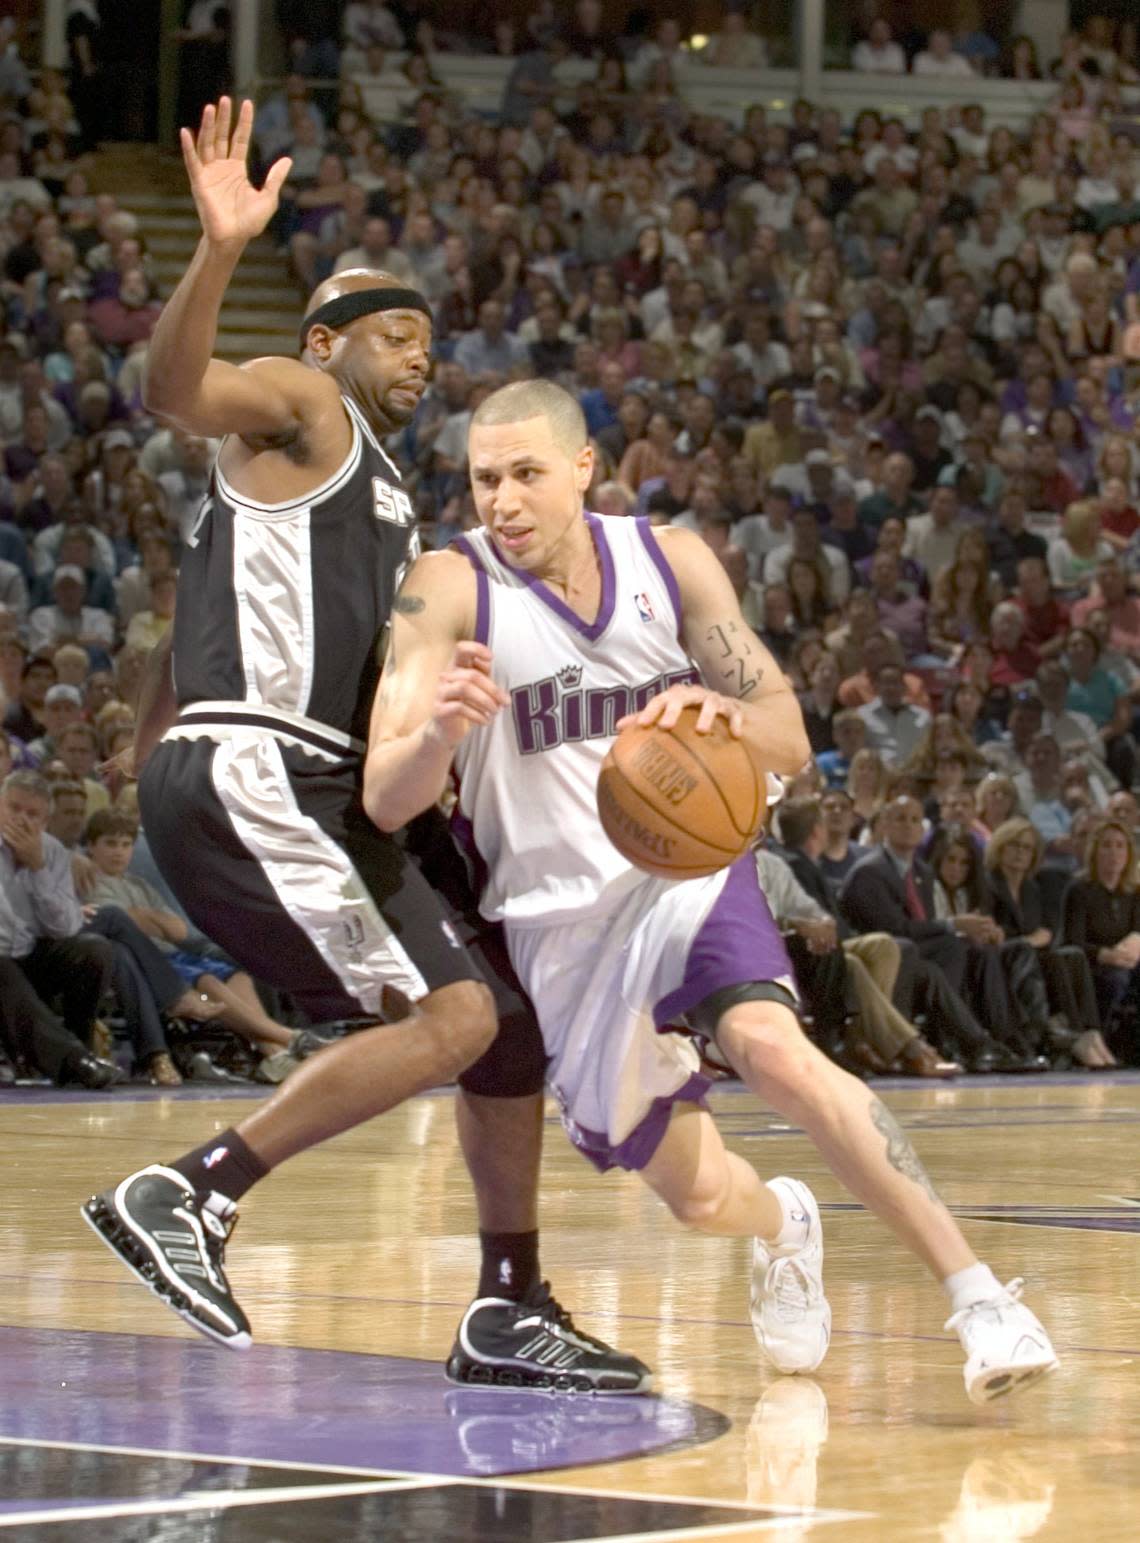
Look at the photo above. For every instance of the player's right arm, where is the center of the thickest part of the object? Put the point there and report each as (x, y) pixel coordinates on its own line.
(184, 384)
(436, 686)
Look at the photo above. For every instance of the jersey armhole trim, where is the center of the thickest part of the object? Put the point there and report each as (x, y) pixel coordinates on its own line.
(668, 577)
(482, 590)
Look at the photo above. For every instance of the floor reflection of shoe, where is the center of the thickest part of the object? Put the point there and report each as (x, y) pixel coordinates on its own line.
(1006, 1346)
(535, 1344)
(790, 1313)
(785, 1437)
(501, 1434)
(1002, 1501)
(174, 1242)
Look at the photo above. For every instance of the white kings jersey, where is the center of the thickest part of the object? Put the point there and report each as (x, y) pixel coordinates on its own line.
(527, 807)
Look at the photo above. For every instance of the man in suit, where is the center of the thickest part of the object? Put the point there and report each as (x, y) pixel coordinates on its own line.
(890, 890)
(882, 980)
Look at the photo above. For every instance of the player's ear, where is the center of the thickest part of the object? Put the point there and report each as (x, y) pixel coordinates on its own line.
(321, 346)
(584, 468)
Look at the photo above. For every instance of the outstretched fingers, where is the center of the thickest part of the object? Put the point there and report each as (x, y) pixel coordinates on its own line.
(206, 135)
(243, 130)
(222, 129)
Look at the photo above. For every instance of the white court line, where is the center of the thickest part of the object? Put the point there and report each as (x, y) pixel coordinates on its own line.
(203, 1500)
(788, 1513)
(177, 1455)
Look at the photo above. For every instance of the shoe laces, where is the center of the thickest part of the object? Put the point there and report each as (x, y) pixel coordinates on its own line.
(1009, 1295)
(541, 1300)
(790, 1285)
(218, 1226)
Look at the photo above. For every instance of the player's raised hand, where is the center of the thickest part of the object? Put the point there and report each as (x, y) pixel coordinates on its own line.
(231, 209)
(465, 696)
(666, 707)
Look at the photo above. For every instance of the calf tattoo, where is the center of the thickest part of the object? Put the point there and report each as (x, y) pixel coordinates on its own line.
(900, 1153)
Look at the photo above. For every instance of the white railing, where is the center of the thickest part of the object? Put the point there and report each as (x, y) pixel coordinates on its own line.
(479, 80)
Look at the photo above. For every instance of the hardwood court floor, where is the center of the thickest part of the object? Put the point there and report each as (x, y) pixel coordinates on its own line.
(379, 1257)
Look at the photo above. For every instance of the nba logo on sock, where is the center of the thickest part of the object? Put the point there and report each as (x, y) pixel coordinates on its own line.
(644, 608)
(219, 1154)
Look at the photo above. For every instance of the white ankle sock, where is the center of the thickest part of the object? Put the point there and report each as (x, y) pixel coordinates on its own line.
(793, 1232)
(977, 1283)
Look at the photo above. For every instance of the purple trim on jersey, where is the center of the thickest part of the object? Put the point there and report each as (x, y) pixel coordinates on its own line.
(738, 943)
(591, 631)
(668, 577)
(644, 1139)
(482, 590)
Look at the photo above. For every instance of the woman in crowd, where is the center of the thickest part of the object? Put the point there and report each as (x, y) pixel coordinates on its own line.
(1117, 459)
(1075, 553)
(997, 801)
(1013, 856)
(961, 601)
(1102, 917)
(943, 733)
(820, 703)
(867, 786)
(811, 602)
(960, 889)
(965, 703)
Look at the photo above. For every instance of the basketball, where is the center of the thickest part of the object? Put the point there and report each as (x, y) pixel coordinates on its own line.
(677, 803)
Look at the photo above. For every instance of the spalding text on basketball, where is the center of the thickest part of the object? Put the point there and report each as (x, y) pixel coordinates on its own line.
(664, 772)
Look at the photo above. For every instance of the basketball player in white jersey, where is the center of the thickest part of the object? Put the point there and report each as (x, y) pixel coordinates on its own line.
(252, 731)
(514, 660)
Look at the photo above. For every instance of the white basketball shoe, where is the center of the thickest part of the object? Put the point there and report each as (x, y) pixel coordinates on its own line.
(790, 1313)
(1006, 1346)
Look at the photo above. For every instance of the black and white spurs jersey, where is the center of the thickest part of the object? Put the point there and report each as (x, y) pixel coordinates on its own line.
(282, 605)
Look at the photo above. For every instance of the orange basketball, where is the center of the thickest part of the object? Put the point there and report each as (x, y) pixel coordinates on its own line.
(681, 804)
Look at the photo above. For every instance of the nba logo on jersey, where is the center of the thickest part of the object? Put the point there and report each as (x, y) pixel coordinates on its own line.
(644, 607)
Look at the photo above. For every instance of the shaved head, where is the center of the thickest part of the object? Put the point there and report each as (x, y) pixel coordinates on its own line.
(348, 282)
(527, 399)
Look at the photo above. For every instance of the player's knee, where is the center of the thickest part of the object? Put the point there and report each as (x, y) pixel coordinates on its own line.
(702, 1202)
(464, 1016)
(765, 1043)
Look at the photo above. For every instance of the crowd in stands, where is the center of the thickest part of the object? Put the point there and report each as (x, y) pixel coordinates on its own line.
(889, 371)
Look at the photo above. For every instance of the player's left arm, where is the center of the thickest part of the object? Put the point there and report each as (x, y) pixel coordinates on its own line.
(743, 683)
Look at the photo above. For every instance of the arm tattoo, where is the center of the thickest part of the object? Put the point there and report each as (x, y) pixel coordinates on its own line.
(408, 605)
(735, 661)
(900, 1153)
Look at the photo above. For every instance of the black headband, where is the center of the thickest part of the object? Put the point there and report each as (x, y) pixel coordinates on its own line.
(363, 302)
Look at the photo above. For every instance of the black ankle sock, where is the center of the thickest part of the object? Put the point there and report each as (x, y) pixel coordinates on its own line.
(510, 1264)
(225, 1164)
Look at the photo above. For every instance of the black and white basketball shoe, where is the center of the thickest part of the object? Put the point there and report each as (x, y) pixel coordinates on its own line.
(534, 1344)
(174, 1241)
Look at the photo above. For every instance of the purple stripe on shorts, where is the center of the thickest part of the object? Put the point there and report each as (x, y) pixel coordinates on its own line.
(738, 943)
(641, 1143)
(482, 590)
(668, 577)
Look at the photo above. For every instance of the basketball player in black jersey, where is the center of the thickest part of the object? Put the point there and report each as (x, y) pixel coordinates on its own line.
(250, 741)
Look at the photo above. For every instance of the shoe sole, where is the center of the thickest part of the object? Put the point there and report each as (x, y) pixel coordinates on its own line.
(472, 1374)
(1000, 1384)
(115, 1235)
